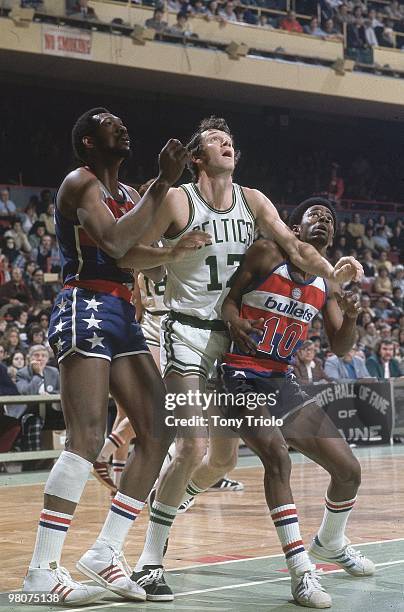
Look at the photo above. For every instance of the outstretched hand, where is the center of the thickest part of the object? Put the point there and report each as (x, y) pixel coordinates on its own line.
(172, 160)
(191, 241)
(347, 269)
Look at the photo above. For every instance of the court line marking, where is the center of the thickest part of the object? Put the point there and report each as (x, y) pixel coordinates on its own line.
(226, 587)
(197, 565)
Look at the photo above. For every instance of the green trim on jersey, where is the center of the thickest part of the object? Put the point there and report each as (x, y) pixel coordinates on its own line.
(190, 218)
(219, 212)
(247, 205)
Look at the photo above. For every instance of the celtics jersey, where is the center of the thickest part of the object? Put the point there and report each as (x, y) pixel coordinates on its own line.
(152, 294)
(198, 284)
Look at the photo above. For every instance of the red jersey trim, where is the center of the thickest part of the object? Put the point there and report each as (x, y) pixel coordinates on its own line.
(102, 286)
(253, 363)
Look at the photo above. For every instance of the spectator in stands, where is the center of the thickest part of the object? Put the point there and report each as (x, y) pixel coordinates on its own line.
(16, 363)
(313, 28)
(363, 319)
(46, 256)
(2, 353)
(355, 228)
(198, 8)
(19, 236)
(356, 35)
(290, 23)
(307, 367)
(397, 239)
(157, 22)
(14, 256)
(331, 32)
(398, 298)
(263, 21)
(348, 367)
(38, 377)
(12, 341)
(29, 216)
(370, 34)
(228, 13)
(342, 16)
(383, 284)
(37, 231)
(369, 267)
(386, 37)
(394, 10)
(371, 337)
(369, 240)
(7, 207)
(35, 334)
(384, 262)
(48, 218)
(212, 10)
(382, 222)
(42, 293)
(83, 11)
(181, 26)
(382, 365)
(399, 277)
(15, 291)
(380, 240)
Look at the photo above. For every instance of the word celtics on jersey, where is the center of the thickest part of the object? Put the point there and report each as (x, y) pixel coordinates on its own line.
(198, 284)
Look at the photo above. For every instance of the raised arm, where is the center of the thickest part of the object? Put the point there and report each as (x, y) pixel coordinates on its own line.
(80, 195)
(340, 316)
(302, 255)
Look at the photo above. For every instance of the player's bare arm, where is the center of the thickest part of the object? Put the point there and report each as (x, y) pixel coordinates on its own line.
(143, 257)
(340, 314)
(80, 196)
(258, 261)
(302, 255)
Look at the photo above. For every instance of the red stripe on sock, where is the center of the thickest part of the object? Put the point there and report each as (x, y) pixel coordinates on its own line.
(117, 438)
(338, 506)
(283, 513)
(125, 506)
(292, 545)
(57, 519)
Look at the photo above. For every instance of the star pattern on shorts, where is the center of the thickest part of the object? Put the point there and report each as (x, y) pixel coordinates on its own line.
(59, 326)
(96, 341)
(59, 344)
(62, 306)
(241, 372)
(93, 304)
(93, 322)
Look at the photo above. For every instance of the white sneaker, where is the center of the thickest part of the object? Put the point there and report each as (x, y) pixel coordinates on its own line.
(307, 590)
(110, 569)
(347, 557)
(57, 581)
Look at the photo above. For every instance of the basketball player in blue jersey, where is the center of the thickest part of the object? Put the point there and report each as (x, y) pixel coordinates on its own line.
(268, 312)
(100, 348)
(193, 335)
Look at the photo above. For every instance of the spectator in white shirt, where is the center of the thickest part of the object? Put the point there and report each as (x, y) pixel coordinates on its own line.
(228, 11)
(7, 207)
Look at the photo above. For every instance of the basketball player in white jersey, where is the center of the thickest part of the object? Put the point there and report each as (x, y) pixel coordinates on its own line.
(193, 334)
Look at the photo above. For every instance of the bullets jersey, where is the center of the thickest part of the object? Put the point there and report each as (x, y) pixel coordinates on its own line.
(287, 307)
(198, 284)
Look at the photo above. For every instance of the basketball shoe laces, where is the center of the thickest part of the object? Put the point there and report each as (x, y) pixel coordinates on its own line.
(153, 575)
(353, 553)
(63, 577)
(311, 581)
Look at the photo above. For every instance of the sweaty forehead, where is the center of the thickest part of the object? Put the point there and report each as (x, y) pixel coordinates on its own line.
(318, 208)
(102, 117)
(208, 133)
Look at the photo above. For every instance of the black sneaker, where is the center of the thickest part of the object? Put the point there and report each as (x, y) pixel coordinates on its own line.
(225, 484)
(151, 579)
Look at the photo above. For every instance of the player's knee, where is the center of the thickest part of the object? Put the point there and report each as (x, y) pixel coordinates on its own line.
(222, 463)
(348, 474)
(190, 452)
(87, 442)
(276, 460)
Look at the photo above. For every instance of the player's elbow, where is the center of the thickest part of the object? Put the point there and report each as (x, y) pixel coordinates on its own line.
(295, 253)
